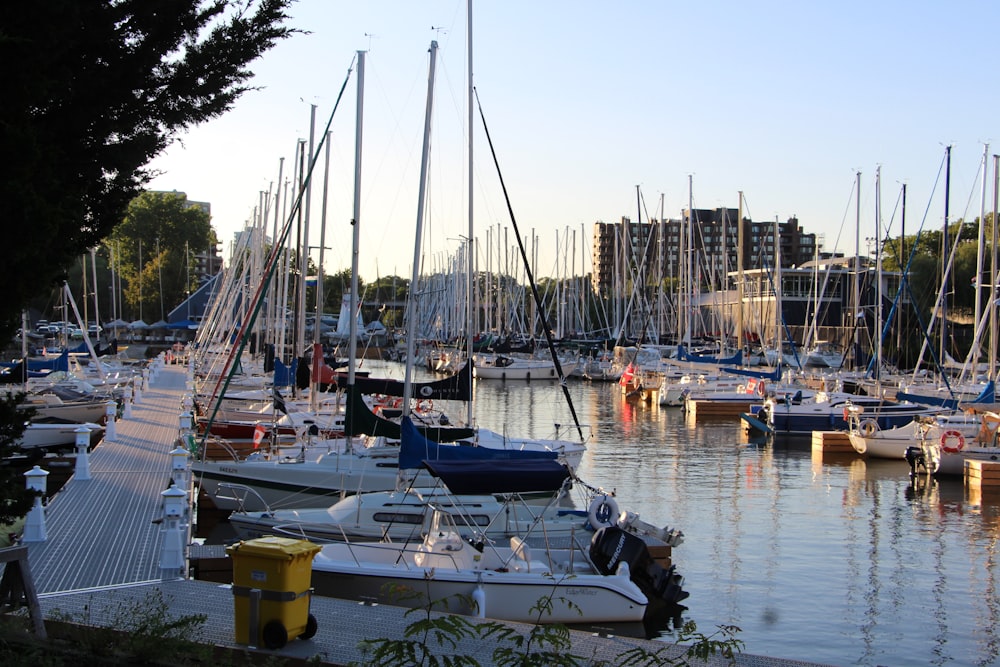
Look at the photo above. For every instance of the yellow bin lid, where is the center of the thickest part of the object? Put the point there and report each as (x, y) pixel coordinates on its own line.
(276, 548)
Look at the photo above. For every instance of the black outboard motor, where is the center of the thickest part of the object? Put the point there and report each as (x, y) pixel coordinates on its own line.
(611, 546)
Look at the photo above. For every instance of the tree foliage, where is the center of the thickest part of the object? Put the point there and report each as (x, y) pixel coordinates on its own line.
(16, 502)
(92, 92)
(153, 249)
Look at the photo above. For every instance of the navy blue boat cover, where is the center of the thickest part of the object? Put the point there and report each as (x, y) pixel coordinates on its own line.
(500, 476)
(415, 450)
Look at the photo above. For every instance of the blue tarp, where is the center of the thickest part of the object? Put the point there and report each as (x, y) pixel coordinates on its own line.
(415, 450)
(284, 376)
(684, 355)
(986, 397)
(510, 476)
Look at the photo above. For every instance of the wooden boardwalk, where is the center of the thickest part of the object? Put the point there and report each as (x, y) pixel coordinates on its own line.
(102, 554)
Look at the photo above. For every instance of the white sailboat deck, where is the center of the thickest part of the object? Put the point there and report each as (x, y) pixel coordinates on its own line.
(102, 554)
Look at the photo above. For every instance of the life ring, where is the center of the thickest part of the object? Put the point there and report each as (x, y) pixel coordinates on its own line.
(762, 388)
(425, 405)
(603, 512)
(868, 427)
(952, 441)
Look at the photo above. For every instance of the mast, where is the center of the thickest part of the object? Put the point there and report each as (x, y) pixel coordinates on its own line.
(411, 297)
(980, 283)
(993, 271)
(317, 359)
(878, 278)
(470, 253)
(689, 269)
(779, 316)
(739, 273)
(943, 344)
(856, 294)
(355, 225)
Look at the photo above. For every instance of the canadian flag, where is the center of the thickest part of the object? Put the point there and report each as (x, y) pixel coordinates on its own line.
(258, 435)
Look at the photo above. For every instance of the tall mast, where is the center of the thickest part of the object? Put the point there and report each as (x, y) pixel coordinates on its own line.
(856, 294)
(739, 273)
(993, 271)
(980, 283)
(878, 277)
(356, 223)
(411, 299)
(943, 344)
(470, 253)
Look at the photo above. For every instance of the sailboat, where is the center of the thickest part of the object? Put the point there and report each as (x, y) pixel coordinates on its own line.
(327, 469)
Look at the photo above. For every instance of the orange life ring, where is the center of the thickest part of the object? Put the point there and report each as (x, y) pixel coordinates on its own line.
(425, 405)
(948, 437)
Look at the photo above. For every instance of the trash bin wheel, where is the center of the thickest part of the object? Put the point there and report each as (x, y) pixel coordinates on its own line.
(275, 635)
(311, 627)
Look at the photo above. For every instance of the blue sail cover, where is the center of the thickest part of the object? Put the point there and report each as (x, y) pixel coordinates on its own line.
(510, 476)
(284, 376)
(415, 450)
(683, 355)
(986, 397)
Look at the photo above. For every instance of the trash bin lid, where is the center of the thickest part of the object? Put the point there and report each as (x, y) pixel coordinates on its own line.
(277, 548)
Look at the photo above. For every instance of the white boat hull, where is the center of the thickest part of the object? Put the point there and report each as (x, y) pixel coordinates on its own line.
(379, 573)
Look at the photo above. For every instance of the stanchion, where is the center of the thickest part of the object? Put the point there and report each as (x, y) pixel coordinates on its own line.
(179, 460)
(34, 524)
(127, 409)
(82, 469)
(172, 550)
(110, 412)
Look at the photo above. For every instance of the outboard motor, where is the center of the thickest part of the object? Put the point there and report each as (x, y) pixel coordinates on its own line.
(610, 546)
(915, 457)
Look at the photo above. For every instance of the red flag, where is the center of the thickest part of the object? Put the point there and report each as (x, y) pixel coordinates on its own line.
(258, 435)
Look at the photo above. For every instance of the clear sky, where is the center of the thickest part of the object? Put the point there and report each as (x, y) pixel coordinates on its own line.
(585, 100)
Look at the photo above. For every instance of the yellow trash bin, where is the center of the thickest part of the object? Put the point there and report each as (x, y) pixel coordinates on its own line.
(272, 588)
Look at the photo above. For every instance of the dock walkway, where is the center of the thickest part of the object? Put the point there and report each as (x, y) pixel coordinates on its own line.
(102, 555)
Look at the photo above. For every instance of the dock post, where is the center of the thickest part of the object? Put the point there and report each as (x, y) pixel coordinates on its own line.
(136, 390)
(179, 467)
(82, 469)
(127, 409)
(172, 544)
(34, 525)
(145, 379)
(110, 412)
(185, 422)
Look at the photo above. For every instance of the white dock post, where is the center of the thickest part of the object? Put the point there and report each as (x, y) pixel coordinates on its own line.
(145, 379)
(136, 390)
(172, 545)
(127, 410)
(82, 469)
(185, 422)
(110, 412)
(34, 524)
(179, 467)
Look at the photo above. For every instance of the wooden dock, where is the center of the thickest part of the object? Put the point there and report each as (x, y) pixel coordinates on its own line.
(832, 442)
(707, 408)
(104, 540)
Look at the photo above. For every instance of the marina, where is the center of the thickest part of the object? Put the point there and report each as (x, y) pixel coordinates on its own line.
(815, 557)
(104, 549)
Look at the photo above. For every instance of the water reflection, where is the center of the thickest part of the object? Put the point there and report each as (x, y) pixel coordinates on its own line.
(827, 558)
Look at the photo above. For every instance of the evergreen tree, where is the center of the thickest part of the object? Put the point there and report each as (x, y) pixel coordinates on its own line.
(92, 92)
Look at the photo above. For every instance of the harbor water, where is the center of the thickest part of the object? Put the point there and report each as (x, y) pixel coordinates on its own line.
(833, 559)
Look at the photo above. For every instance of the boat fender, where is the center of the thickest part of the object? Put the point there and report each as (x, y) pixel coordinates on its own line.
(762, 388)
(603, 512)
(952, 441)
(479, 597)
(868, 427)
